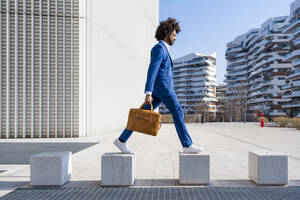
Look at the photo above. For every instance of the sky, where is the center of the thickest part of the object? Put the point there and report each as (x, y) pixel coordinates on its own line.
(208, 25)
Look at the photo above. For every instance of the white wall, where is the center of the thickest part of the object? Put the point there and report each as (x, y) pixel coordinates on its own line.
(117, 41)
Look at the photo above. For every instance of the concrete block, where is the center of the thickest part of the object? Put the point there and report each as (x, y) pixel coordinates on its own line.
(118, 169)
(268, 167)
(50, 168)
(194, 168)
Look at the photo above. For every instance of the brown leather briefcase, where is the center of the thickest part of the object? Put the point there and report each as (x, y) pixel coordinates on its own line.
(144, 121)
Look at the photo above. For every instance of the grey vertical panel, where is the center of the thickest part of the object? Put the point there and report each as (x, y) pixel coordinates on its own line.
(40, 69)
(32, 68)
(53, 69)
(29, 61)
(72, 61)
(7, 68)
(56, 68)
(45, 73)
(64, 68)
(39, 77)
(1, 69)
(60, 69)
(12, 72)
(76, 68)
(16, 66)
(24, 68)
(48, 70)
(37, 70)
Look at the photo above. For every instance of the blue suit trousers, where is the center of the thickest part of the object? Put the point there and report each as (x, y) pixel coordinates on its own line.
(175, 108)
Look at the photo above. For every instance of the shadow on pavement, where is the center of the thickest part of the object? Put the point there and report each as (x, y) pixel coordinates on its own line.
(19, 153)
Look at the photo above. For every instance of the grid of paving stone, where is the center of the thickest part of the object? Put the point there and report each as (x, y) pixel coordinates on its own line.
(162, 193)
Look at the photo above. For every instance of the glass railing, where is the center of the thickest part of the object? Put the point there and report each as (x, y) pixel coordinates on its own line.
(296, 41)
(292, 23)
(293, 53)
(291, 103)
(296, 31)
(295, 71)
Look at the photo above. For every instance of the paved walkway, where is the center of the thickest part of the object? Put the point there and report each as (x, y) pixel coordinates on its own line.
(157, 157)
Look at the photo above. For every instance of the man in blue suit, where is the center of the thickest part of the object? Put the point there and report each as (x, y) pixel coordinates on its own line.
(159, 86)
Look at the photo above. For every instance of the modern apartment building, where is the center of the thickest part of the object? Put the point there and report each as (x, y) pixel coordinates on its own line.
(293, 80)
(194, 78)
(64, 64)
(256, 70)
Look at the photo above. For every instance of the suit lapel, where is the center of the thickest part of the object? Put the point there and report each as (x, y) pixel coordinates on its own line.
(170, 58)
(167, 52)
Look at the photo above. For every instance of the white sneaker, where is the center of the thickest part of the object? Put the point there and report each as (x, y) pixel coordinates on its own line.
(121, 146)
(192, 149)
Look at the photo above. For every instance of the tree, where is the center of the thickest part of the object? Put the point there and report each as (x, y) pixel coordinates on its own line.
(238, 104)
(203, 109)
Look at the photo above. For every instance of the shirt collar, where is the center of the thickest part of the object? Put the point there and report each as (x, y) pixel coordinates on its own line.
(167, 45)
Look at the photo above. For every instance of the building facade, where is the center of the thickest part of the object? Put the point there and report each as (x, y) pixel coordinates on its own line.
(195, 84)
(64, 65)
(256, 70)
(293, 80)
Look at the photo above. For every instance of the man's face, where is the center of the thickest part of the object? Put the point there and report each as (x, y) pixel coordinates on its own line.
(171, 38)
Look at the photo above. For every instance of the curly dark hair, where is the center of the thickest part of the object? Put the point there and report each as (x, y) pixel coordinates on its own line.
(167, 27)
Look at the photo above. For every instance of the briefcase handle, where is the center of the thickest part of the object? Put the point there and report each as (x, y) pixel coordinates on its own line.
(144, 104)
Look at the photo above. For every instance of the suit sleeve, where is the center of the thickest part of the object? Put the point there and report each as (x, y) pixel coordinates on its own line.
(156, 59)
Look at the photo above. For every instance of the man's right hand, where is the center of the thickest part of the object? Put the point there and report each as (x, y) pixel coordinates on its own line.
(148, 99)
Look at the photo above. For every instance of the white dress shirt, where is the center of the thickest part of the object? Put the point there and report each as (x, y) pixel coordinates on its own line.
(168, 47)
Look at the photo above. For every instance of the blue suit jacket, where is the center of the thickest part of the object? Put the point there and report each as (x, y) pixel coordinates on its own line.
(160, 71)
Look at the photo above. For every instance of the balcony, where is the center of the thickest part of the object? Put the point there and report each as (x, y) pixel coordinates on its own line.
(255, 39)
(291, 104)
(194, 79)
(258, 100)
(255, 87)
(291, 27)
(257, 107)
(277, 113)
(200, 62)
(294, 74)
(296, 32)
(296, 83)
(264, 91)
(237, 73)
(237, 67)
(261, 56)
(233, 85)
(292, 94)
(192, 68)
(236, 79)
(296, 42)
(238, 55)
(287, 86)
(255, 80)
(292, 55)
(243, 60)
(233, 49)
(296, 63)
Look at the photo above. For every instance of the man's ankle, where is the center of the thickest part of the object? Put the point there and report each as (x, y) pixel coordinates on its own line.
(121, 140)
